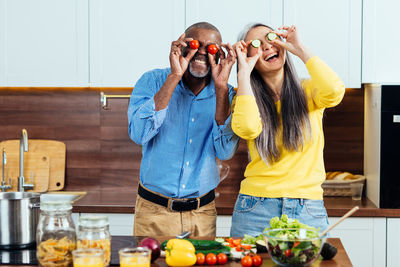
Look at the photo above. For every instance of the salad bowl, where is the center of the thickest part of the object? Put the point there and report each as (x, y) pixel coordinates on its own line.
(293, 246)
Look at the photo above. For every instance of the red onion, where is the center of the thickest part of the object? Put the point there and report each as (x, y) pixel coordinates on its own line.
(153, 245)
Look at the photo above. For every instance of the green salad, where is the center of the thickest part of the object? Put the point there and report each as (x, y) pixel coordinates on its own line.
(290, 242)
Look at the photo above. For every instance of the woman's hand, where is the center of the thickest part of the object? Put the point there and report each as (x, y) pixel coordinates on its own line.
(245, 67)
(220, 71)
(179, 62)
(245, 63)
(292, 44)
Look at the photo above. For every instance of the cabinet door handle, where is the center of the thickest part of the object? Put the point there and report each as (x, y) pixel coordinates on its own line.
(103, 98)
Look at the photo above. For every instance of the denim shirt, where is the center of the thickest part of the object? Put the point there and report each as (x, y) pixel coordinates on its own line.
(181, 142)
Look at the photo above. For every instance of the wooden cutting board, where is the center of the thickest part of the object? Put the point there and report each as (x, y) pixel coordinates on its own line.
(55, 150)
(36, 168)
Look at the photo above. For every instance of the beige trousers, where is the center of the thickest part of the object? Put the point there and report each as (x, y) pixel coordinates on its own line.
(155, 220)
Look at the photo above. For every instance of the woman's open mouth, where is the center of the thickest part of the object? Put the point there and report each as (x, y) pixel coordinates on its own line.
(272, 57)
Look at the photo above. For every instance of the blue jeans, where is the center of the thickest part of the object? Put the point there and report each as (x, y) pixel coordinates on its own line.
(252, 214)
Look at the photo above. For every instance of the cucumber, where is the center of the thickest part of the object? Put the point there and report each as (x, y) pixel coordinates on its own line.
(272, 36)
(256, 43)
(205, 244)
(200, 244)
(226, 250)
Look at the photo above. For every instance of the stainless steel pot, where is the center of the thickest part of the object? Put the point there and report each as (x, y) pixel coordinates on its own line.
(19, 214)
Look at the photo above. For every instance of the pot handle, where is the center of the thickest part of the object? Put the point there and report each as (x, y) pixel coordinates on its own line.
(34, 205)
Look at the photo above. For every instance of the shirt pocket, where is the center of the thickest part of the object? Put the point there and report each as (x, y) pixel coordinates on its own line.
(315, 208)
(246, 203)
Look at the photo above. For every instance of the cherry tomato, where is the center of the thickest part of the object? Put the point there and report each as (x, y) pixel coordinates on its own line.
(211, 259)
(200, 258)
(236, 242)
(288, 252)
(246, 261)
(194, 44)
(257, 260)
(212, 49)
(238, 248)
(246, 247)
(222, 258)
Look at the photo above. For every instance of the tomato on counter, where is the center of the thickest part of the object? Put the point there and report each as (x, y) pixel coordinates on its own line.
(257, 260)
(246, 261)
(201, 258)
(222, 258)
(211, 259)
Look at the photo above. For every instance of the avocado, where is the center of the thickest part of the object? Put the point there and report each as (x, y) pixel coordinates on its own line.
(328, 251)
(261, 246)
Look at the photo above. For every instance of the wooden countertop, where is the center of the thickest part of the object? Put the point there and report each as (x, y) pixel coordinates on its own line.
(341, 259)
(124, 202)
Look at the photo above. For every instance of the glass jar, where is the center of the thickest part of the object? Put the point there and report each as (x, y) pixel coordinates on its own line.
(55, 236)
(94, 233)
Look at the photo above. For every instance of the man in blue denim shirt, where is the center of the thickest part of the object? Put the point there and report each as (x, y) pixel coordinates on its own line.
(181, 116)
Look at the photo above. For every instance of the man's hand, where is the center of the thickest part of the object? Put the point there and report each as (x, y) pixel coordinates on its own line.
(178, 61)
(220, 72)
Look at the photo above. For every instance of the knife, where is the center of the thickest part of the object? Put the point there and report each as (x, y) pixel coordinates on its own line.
(183, 235)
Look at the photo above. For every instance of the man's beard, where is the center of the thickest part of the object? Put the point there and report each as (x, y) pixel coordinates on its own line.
(198, 74)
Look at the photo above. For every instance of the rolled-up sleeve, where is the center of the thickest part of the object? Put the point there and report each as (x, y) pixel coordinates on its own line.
(144, 120)
(246, 120)
(327, 89)
(225, 140)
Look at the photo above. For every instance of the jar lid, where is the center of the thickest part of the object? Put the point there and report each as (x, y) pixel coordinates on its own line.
(93, 221)
(55, 205)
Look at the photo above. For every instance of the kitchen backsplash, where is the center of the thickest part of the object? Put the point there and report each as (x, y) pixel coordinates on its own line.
(100, 155)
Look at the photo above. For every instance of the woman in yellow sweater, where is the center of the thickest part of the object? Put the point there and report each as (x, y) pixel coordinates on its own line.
(281, 119)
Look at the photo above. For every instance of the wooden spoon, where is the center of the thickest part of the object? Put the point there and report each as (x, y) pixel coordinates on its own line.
(350, 212)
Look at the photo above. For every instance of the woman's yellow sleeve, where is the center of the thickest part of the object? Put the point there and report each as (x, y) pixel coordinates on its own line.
(326, 87)
(246, 120)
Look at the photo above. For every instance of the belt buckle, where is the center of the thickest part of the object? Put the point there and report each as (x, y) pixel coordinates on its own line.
(172, 201)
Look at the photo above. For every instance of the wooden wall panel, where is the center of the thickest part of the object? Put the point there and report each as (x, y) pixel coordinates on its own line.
(344, 134)
(101, 156)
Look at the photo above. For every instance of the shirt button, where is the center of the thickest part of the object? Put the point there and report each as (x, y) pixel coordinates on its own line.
(187, 163)
(192, 119)
(183, 186)
(190, 141)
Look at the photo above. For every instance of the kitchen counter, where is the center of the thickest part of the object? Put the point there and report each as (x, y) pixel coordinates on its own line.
(124, 202)
(341, 258)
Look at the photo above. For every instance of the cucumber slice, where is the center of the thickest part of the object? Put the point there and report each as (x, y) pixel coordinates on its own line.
(272, 36)
(256, 43)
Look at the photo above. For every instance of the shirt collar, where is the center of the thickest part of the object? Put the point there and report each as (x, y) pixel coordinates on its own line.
(207, 91)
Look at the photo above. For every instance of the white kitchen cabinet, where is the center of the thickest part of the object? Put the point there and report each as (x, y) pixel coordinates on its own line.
(393, 242)
(230, 17)
(332, 30)
(128, 38)
(380, 53)
(44, 43)
(364, 240)
(224, 223)
(120, 223)
(75, 218)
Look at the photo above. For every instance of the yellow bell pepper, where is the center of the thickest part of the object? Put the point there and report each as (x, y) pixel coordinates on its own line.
(180, 252)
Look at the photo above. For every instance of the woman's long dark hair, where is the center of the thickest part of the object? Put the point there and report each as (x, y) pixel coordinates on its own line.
(296, 128)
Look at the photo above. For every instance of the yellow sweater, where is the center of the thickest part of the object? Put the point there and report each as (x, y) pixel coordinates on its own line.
(295, 174)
